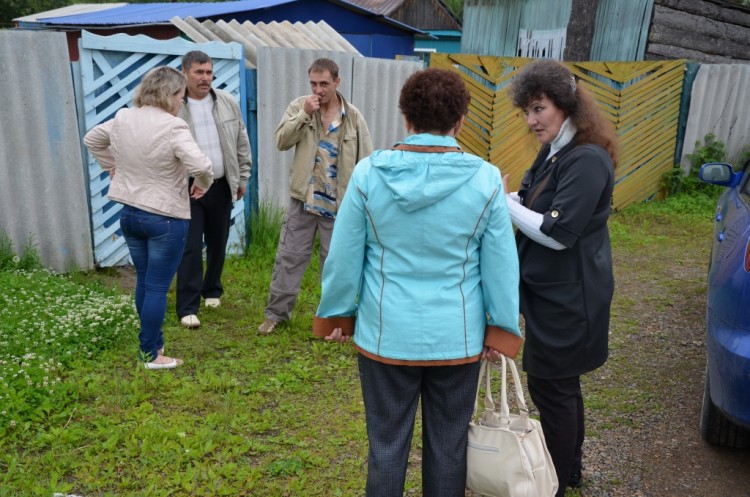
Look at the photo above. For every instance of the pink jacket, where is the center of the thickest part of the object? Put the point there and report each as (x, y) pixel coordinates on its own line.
(150, 153)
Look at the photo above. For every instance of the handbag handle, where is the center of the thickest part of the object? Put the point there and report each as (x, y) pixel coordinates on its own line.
(490, 416)
(520, 399)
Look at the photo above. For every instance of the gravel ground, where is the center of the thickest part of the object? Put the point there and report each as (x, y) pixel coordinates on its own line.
(643, 406)
(658, 359)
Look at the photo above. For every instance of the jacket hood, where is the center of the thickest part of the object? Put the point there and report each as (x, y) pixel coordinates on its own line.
(419, 179)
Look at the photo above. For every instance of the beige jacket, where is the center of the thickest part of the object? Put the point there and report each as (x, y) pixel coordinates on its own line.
(300, 129)
(235, 145)
(150, 153)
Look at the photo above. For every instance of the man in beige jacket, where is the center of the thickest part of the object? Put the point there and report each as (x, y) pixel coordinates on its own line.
(330, 136)
(216, 123)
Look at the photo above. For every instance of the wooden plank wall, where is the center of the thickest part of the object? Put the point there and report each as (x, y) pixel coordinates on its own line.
(642, 100)
(425, 14)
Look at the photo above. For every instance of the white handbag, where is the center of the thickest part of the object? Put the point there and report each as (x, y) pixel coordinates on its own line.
(507, 455)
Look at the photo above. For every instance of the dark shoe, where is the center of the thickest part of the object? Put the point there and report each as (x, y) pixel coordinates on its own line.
(575, 480)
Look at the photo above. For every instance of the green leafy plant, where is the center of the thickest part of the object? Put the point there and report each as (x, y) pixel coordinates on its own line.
(47, 325)
(28, 260)
(678, 181)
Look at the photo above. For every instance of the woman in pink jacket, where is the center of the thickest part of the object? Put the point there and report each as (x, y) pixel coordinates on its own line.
(149, 154)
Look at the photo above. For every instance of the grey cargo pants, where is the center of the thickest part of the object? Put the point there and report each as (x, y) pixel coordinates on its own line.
(293, 256)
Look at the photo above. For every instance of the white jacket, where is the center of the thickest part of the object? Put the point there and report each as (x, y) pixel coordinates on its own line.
(150, 153)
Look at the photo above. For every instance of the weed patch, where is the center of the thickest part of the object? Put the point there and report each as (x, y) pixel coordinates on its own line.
(250, 415)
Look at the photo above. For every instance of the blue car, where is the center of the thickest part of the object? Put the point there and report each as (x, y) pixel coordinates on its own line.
(725, 415)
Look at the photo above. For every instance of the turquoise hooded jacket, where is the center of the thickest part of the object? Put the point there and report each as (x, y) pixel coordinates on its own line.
(423, 255)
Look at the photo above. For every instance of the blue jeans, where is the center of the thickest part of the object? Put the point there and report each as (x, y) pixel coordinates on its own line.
(155, 243)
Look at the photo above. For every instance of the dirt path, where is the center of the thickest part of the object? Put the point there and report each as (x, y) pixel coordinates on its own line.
(646, 401)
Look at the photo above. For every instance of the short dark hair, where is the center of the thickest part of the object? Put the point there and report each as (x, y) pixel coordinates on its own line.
(434, 100)
(321, 65)
(195, 57)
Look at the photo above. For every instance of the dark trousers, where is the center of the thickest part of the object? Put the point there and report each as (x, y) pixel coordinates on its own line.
(210, 218)
(391, 394)
(560, 405)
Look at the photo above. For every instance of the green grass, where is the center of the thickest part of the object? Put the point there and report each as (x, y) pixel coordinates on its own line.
(246, 415)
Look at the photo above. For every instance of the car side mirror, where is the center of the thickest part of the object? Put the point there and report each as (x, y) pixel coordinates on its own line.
(719, 173)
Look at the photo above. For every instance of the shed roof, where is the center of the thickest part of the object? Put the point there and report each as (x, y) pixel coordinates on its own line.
(382, 7)
(157, 13)
(70, 10)
(161, 13)
(252, 36)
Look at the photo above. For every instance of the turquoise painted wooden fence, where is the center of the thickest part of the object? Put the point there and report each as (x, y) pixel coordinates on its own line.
(111, 68)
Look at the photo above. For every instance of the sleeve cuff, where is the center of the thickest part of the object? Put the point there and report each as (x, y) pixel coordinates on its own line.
(503, 341)
(322, 327)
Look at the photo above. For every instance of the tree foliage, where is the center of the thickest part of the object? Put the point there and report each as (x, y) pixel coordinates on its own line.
(456, 7)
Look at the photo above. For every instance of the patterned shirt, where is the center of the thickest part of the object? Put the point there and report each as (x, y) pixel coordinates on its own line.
(321, 192)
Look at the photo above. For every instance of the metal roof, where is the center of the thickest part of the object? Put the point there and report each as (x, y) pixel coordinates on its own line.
(70, 10)
(161, 13)
(158, 13)
(252, 36)
(382, 7)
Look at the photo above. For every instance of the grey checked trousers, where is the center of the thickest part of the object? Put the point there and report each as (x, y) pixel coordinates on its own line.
(391, 394)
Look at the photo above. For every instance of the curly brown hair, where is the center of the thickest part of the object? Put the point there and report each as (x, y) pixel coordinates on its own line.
(550, 78)
(434, 100)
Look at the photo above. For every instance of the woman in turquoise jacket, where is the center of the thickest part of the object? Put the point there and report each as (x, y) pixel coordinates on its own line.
(423, 256)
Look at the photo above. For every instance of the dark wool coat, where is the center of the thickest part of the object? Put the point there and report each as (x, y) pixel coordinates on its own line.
(566, 294)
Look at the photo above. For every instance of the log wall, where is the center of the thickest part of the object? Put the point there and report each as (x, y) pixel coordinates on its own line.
(712, 31)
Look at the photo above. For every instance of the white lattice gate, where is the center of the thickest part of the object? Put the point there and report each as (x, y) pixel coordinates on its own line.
(111, 68)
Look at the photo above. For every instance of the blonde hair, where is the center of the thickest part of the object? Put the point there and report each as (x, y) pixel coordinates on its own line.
(158, 86)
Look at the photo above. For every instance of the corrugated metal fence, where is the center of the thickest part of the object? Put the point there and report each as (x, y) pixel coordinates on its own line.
(720, 105)
(43, 196)
(371, 85)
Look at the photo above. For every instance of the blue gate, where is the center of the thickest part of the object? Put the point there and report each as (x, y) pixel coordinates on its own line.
(111, 68)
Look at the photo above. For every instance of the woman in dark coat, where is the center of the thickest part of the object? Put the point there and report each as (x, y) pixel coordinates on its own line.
(561, 212)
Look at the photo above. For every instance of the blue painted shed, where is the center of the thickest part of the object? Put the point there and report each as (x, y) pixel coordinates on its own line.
(372, 34)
